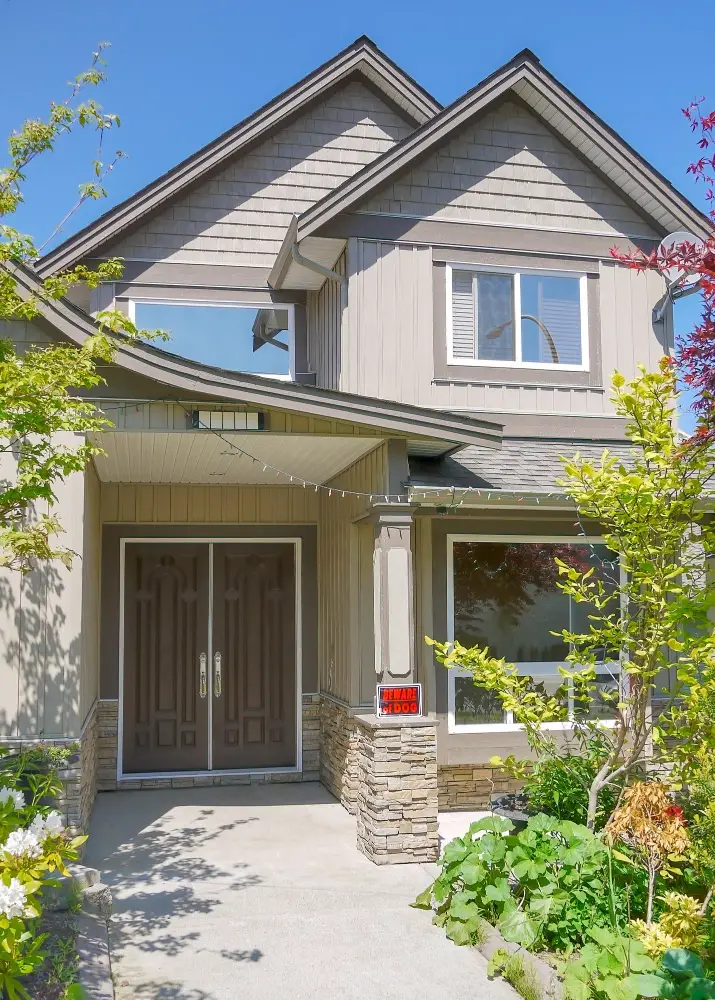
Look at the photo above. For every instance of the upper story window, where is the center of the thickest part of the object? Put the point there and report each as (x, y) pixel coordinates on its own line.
(525, 318)
(240, 337)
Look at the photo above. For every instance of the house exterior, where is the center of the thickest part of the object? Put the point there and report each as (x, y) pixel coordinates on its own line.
(389, 319)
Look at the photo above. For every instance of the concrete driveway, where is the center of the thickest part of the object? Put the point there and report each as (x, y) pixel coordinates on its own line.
(259, 892)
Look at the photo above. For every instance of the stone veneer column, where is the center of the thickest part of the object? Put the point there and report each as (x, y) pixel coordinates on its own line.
(397, 789)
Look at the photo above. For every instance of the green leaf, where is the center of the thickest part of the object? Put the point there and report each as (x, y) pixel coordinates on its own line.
(458, 932)
(541, 823)
(517, 926)
(492, 824)
(499, 892)
(575, 988)
(682, 963)
(455, 850)
(648, 985)
(424, 900)
(472, 872)
(461, 909)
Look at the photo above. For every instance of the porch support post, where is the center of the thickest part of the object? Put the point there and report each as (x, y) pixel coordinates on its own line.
(396, 802)
(394, 595)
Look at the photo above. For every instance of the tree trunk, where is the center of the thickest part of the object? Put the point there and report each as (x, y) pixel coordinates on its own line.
(652, 872)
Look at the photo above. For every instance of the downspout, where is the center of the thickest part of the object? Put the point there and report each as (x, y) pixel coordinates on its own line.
(313, 265)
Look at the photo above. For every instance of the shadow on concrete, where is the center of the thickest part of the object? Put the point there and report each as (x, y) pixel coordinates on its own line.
(151, 848)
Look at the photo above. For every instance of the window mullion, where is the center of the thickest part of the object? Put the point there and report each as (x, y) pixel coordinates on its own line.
(517, 317)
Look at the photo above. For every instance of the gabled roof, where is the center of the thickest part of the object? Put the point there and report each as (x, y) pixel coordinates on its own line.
(196, 381)
(592, 139)
(362, 58)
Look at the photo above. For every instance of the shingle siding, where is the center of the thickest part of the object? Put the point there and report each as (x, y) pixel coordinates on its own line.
(509, 169)
(240, 216)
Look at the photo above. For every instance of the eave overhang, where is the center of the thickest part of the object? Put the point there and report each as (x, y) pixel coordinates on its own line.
(444, 431)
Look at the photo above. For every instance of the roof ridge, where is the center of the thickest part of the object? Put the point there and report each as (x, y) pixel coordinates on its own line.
(523, 63)
(229, 143)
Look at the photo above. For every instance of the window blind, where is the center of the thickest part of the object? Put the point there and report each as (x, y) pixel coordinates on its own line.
(463, 325)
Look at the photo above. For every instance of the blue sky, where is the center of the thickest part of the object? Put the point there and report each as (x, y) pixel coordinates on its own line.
(182, 73)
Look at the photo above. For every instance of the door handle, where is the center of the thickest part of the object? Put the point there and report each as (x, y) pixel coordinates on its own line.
(217, 674)
(203, 675)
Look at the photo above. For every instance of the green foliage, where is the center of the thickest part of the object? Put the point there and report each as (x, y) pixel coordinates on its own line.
(614, 967)
(513, 968)
(656, 618)
(33, 846)
(543, 887)
(559, 784)
(42, 416)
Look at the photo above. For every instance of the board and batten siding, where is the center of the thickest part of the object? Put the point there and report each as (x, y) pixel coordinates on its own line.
(390, 353)
(217, 504)
(325, 317)
(241, 214)
(508, 168)
(346, 650)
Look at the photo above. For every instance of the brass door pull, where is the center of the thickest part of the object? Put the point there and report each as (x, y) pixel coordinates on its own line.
(203, 675)
(217, 675)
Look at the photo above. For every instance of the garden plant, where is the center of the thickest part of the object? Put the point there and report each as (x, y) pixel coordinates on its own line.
(34, 847)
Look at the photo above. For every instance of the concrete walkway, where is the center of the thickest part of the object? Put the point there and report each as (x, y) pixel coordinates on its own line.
(259, 892)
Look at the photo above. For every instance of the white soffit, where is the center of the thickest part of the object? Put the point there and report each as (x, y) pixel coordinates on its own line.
(204, 457)
(323, 251)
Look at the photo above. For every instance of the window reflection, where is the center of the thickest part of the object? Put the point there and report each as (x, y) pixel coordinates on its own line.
(507, 599)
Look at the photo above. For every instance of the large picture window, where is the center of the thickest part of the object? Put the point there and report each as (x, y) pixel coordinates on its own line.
(234, 336)
(504, 594)
(533, 319)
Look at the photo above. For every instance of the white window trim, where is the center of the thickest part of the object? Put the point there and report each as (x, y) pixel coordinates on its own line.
(516, 273)
(222, 304)
(453, 672)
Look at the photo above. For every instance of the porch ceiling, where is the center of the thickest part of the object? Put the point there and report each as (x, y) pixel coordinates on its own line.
(201, 457)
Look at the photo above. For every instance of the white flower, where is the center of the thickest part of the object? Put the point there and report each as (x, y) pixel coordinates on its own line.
(23, 842)
(18, 799)
(12, 899)
(54, 824)
(47, 826)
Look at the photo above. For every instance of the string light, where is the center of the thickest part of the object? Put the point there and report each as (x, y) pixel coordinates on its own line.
(456, 502)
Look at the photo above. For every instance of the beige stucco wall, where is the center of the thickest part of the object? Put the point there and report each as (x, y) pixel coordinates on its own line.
(42, 647)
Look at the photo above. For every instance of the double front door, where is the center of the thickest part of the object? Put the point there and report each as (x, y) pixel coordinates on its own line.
(209, 656)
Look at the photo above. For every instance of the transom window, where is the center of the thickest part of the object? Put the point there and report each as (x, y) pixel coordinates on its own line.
(503, 594)
(534, 319)
(257, 339)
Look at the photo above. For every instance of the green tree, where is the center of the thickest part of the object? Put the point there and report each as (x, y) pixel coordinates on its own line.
(652, 511)
(41, 415)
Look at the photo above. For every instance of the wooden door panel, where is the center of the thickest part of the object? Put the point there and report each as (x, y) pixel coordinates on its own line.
(254, 631)
(165, 631)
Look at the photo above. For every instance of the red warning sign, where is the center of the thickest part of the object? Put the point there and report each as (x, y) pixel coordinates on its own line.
(394, 699)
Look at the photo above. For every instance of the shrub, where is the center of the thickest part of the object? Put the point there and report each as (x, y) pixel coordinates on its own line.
(541, 887)
(559, 786)
(680, 925)
(33, 845)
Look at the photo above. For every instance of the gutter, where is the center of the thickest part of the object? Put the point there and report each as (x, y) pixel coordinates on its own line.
(326, 272)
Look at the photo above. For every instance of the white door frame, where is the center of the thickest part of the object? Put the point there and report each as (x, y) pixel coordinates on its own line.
(211, 541)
